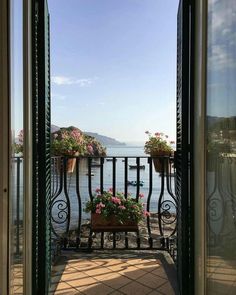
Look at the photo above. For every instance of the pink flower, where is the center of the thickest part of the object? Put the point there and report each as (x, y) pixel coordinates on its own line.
(97, 190)
(141, 195)
(75, 134)
(21, 136)
(64, 135)
(110, 190)
(90, 148)
(100, 205)
(98, 211)
(122, 207)
(158, 134)
(146, 213)
(116, 200)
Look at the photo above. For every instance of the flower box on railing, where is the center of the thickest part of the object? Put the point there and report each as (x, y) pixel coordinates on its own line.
(101, 224)
(159, 163)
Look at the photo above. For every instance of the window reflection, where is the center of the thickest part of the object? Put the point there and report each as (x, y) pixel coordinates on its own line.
(221, 147)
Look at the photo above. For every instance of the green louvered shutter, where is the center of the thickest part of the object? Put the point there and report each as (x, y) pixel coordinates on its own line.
(41, 259)
(184, 145)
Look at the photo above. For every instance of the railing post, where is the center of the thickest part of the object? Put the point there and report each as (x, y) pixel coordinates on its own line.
(18, 161)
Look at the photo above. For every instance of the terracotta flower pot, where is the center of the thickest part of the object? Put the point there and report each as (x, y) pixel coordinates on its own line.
(71, 163)
(99, 223)
(160, 163)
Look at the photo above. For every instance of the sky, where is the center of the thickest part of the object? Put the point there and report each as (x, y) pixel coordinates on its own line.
(221, 71)
(113, 66)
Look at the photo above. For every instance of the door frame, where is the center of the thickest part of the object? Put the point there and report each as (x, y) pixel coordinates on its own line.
(6, 142)
(28, 143)
(199, 147)
(4, 147)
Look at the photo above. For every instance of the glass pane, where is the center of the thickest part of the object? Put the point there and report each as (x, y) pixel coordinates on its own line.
(221, 147)
(16, 177)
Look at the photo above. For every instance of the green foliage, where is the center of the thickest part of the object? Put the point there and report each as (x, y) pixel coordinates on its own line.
(71, 141)
(124, 209)
(157, 143)
(19, 146)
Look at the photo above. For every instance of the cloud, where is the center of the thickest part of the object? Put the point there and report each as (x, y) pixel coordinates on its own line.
(222, 35)
(63, 80)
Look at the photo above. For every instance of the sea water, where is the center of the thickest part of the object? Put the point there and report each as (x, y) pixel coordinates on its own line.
(83, 192)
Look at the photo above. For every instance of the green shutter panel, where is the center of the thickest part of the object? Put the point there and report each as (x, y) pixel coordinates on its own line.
(183, 156)
(41, 259)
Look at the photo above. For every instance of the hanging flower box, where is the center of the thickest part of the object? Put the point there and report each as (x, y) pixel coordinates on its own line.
(114, 212)
(99, 223)
(59, 164)
(158, 145)
(160, 163)
(71, 142)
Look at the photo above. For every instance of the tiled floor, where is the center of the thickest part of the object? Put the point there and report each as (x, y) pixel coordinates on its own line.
(221, 275)
(114, 273)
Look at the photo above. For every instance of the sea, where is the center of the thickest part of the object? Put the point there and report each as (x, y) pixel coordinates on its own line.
(83, 192)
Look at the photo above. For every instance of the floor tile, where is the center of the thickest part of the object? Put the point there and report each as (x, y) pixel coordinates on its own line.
(114, 280)
(151, 281)
(135, 288)
(132, 272)
(104, 273)
(96, 289)
(97, 270)
(167, 289)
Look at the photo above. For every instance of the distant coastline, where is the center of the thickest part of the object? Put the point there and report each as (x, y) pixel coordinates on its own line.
(104, 140)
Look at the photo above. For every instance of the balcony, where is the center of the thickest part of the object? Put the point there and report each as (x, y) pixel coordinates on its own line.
(111, 260)
(134, 175)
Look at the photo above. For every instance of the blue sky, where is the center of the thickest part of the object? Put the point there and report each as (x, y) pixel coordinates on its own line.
(113, 66)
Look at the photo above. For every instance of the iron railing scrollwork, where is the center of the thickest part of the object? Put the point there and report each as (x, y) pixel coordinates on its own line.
(73, 190)
(221, 200)
(70, 225)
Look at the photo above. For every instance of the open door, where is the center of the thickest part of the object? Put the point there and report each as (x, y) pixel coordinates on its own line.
(183, 157)
(41, 252)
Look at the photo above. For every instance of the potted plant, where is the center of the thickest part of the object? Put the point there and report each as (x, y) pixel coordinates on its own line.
(158, 145)
(110, 213)
(18, 146)
(72, 142)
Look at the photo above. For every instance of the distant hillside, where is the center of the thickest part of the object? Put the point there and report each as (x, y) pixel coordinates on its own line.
(54, 128)
(105, 140)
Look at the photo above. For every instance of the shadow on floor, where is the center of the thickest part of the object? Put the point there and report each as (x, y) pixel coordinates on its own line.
(125, 272)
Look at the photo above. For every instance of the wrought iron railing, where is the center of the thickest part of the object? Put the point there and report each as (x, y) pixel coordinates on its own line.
(134, 175)
(71, 226)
